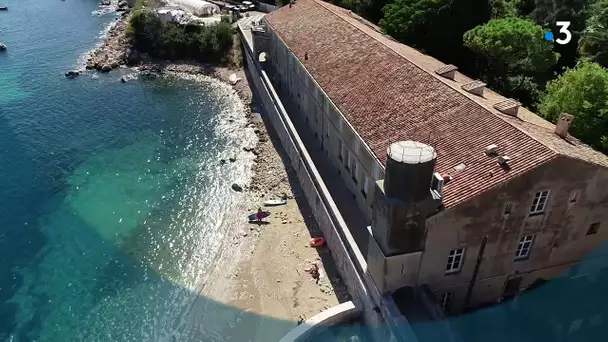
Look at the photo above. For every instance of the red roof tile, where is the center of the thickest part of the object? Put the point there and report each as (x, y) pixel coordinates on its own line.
(387, 97)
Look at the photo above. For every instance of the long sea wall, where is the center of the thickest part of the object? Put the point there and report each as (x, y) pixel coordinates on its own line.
(379, 313)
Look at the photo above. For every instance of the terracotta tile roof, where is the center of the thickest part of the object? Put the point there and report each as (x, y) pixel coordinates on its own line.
(388, 92)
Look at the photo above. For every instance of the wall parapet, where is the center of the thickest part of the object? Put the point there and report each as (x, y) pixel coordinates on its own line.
(349, 260)
(340, 313)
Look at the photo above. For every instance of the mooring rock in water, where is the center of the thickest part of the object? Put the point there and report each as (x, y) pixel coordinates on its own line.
(237, 187)
(106, 68)
(72, 74)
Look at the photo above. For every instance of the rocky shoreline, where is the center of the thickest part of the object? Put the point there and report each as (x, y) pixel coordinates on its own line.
(265, 269)
(116, 50)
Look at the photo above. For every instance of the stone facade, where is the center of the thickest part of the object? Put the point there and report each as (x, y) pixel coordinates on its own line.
(573, 220)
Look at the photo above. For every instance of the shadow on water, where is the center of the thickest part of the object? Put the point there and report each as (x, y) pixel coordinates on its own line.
(19, 240)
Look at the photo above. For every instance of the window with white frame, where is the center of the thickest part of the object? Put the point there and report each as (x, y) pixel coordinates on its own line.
(347, 160)
(446, 300)
(365, 189)
(573, 197)
(455, 260)
(354, 171)
(524, 246)
(540, 202)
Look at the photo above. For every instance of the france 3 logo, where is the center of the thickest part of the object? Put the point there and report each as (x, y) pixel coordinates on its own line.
(563, 32)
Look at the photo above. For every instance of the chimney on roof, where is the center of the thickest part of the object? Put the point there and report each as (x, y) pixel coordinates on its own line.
(503, 160)
(305, 56)
(563, 124)
(508, 106)
(475, 87)
(447, 71)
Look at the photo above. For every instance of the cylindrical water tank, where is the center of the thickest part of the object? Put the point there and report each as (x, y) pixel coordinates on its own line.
(409, 170)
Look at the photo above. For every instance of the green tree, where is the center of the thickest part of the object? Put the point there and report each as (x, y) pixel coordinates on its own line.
(168, 40)
(512, 56)
(503, 8)
(431, 26)
(582, 92)
(547, 12)
(594, 42)
(415, 21)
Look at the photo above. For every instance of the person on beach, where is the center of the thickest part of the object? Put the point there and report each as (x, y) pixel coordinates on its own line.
(314, 272)
(259, 215)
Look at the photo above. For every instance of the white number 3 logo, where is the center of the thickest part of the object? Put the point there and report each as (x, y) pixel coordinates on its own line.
(564, 29)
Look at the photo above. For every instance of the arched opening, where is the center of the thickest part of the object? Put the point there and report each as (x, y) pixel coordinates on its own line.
(262, 57)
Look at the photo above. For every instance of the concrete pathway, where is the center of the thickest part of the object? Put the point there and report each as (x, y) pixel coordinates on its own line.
(342, 196)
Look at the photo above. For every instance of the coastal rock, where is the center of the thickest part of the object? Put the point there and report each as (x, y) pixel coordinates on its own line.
(123, 4)
(237, 187)
(72, 74)
(106, 2)
(232, 159)
(106, 68)
(222, 161)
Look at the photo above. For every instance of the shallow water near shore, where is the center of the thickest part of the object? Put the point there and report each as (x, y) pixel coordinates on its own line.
(113, 202)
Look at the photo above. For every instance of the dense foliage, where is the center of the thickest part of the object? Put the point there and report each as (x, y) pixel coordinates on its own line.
(584, 91)
(594, 42)
(512, 58)
(168, 40)
(501, 42)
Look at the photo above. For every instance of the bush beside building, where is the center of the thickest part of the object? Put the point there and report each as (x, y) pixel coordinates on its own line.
(167, 40)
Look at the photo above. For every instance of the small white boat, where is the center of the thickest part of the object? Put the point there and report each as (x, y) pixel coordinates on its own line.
(275, 202)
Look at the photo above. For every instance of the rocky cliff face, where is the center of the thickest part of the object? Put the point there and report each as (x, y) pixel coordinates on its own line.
(116, 50)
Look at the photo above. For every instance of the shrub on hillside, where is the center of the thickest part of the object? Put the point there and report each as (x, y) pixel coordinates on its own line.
(171, 41)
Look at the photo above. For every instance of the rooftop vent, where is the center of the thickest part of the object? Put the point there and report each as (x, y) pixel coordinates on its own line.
(447, 71)
(508, 106)
(475, 87)
(460, 167)
(438, 182)
(491, 150)
(563, 124)
(503, 160)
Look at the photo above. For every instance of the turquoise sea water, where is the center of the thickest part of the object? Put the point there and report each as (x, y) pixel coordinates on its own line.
(112, 202)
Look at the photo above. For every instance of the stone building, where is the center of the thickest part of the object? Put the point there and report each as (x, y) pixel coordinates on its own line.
(463, 189)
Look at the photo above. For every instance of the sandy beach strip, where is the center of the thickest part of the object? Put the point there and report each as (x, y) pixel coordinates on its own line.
(262, 270)
(268, 274)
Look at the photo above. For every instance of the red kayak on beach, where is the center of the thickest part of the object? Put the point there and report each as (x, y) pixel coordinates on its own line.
(253, 217)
